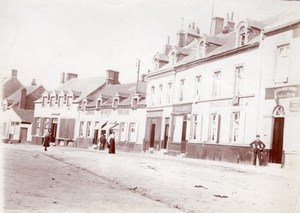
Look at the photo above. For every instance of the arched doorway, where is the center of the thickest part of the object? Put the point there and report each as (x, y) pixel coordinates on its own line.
(278, 131)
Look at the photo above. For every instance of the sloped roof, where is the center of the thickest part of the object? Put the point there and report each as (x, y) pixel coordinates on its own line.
(82, 86)
(10, 86)
(24, 114)
(15, 97)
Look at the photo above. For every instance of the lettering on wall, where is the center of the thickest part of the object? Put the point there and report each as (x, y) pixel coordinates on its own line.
(153, 114)
(186, 108)
(295, 105)
(283, 92)
(123, 111)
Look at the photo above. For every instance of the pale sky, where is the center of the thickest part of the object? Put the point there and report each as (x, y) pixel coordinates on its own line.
(43, 38)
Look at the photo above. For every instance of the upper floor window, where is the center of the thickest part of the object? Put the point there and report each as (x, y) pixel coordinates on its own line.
(134, 103)
(152, 96)
(156, 64)
(60, 101)
(169, 93)
(173, 58)
(201, 49)
(38, 126)
(115, 103)
(52, 101)
(198, 83)
(282, 64)
(238, 80)
(217, 84)
(69, 100)
(84, 103)
(44, 100)
(242, 36)
(160, 92)
(181, 90)
(98, 104)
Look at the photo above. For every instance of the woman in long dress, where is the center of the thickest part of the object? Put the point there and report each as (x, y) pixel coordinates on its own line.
(112, 149)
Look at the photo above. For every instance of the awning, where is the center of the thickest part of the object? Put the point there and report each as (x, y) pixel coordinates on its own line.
(100, 124)
(111, 125)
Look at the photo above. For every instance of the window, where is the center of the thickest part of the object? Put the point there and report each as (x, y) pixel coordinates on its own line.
(132, 133)
(38, 126)
(60, 101)
(46, 125)
(198, 82)
(134, 103)
(214, 124)
(69, 101)
(195, 126)
(81, 128)
(181, 90)
(160, 94)
(282, 66)
(156, 64)
(173, 58)
(242, 36)
(98, 103)
(88, 129)
(235, 126)
(115, 103)
(217, 84)
(238, 77)
(44, 101)
(169, 93)
(52, 101)
(201, 50)
(122, 131)
(152, 95)
(84, 103)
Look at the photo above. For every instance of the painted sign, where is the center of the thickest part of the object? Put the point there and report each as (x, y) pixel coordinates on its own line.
(283, 92)
(153, 114)
(295, 105)
(184, 108)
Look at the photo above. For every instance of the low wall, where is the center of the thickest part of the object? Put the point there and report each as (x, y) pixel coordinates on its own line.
(128, 146)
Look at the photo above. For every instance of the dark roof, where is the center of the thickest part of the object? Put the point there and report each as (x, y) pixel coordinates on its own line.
(10, 86)
(15, 97)
(24, 114)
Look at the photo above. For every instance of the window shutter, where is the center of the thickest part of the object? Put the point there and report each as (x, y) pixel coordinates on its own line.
(63, 128)
(136, 132)
(158, 129)
(148, 129)
(178, 128)
(218, 127)
(42, 127)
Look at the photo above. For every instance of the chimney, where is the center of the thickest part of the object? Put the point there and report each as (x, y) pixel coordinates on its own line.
(192, 33)
(181, 38)
(112, 77)
(143, 76)
(230, 24)
(62, 78)
(70, 76)
(14, 73)
(168, 46)
(22, 102)
(33, 83)
(217, 26)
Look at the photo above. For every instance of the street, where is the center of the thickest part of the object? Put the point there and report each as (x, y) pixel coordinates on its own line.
(67, 179)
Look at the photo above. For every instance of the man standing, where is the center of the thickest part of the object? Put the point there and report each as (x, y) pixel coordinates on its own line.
(258, 146)
(46, 140)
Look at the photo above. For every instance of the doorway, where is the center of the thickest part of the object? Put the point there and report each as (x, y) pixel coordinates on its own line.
(183, 136)
(95, 140)
(53, 131)
(23, 134)
(277, 142)
(152, 135)
(166, 136)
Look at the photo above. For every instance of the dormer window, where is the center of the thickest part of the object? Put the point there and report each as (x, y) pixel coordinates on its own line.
(44, 100)
(60, 101)
(156, 64)
(69, 101)
(52, 101)
(201, 49)
(173, 58)
(115, 103)
(84, 103)
(134, 102)
(242, 36)
(99, 102)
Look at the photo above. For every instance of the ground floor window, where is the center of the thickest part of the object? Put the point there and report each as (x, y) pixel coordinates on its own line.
(81, 128)
(132, 132)
(122, 131)
(235, 126)
(194, 126)
(38, 126)
(46, 125)
(214, 125)
(88, 129)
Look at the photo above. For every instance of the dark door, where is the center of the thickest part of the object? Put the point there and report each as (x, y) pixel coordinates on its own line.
(23, 134)
(183, 137)
(166, 136)
(53, 133)
(277, 144)
(95, 136)
(152, 135)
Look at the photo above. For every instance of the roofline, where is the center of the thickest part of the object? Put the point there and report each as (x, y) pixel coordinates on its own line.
(281, 28)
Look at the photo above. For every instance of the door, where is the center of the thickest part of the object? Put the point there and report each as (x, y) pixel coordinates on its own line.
(152, 135)
(95, 136)
(277, 143)
(166, 136)
(23, 134)
(54, 131)
(183, 137)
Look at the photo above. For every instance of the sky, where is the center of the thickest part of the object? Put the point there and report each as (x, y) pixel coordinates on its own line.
(43, 38)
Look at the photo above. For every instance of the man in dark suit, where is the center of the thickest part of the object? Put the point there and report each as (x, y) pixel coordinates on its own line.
(258, 146)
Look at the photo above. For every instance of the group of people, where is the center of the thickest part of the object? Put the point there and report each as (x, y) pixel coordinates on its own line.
(110, 143)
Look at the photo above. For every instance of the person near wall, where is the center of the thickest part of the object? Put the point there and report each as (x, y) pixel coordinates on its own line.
(102, 142)
(46, 140)
(258, 147)
(111, 140)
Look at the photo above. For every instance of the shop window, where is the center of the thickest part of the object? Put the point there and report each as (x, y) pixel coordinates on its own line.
(282, 64)
(235, 126)
(88, 129)
(81, 128)
(46, 125)
(214, 124)
(38, 126)
(217, 84)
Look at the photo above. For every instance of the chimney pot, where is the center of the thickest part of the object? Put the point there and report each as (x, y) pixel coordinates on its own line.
(33, 83)
(14, 73)
(112, 77)
(217, 26)
(70, 76)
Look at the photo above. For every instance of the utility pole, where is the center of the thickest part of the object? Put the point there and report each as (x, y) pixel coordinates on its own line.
(137, 77)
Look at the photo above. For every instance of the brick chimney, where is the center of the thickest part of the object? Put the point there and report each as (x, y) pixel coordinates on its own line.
(70, 76)
(143, 76)
(168, 47)
(193, 33)
(14, 73)
(112, 77)
(22, 103)
(33, 83)
(217, 26)
(230, 24)
(181, 38)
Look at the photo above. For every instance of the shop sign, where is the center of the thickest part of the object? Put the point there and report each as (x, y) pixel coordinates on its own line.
(295, 105)
(105, 111)
(153, 114)
(220, 104)
(123, 111)
(283, 92)
(185, 108)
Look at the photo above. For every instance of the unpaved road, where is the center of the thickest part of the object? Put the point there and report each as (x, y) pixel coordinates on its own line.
(76, 180)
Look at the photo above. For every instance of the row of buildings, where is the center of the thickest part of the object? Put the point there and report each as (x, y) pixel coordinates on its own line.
(206, 96)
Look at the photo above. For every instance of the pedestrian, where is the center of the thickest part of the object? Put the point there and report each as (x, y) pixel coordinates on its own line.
(112, 143)
(46, 140)
(258, 147)
(102, 142)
